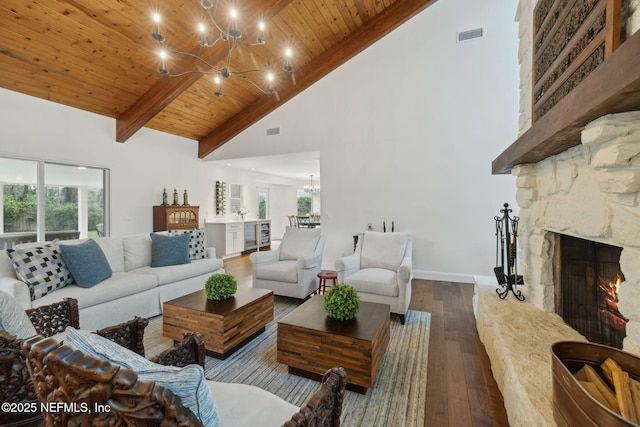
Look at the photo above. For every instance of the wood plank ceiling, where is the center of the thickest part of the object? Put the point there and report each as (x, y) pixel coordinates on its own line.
(98, 56)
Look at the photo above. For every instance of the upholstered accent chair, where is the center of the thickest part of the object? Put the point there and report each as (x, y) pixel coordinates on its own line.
(17, 325)
(87, 373)
(292, 269)
(380, 269)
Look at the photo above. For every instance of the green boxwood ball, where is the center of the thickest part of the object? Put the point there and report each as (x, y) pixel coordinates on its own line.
(341, 302)
(220, 286)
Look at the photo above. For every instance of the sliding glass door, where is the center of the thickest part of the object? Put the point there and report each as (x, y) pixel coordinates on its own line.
(74, 201)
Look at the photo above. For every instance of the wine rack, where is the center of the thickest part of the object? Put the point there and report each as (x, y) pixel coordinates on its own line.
(221, 198)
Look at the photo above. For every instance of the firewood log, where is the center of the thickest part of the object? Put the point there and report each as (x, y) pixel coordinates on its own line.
(635, 395)
(589, 375)
(622, 385)
(608, 367)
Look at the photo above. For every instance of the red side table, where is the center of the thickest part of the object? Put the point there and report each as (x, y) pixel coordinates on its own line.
(323, 276)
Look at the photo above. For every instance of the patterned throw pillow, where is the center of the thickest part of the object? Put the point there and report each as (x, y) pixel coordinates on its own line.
(41, 268)
(188, 382)
(196, 242)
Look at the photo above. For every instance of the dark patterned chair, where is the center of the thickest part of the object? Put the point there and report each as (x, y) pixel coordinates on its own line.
(16, 385)
(73, 378)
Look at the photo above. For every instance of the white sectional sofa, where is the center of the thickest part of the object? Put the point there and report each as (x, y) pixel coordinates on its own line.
(134, 289)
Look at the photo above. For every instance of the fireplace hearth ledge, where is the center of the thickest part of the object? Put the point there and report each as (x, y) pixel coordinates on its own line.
(518, 337)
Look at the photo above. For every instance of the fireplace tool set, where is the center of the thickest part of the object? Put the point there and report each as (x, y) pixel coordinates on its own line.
(506, 269)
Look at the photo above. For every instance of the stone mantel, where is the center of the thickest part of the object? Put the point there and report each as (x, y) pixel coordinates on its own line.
(613, 87)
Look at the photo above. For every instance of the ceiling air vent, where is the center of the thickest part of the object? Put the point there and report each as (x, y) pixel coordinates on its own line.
(273, 131)
(470, 34)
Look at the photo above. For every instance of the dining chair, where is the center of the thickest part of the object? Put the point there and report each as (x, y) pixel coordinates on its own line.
(303, 221)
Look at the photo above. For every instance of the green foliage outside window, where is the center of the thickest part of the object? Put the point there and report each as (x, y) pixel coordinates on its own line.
(262, 209)
(20, 208)
(304, 205)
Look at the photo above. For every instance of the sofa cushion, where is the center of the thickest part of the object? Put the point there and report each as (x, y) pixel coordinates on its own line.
(196, 242)
(87, 263)
(119, 285)
(137, 251)
(175, 273)
(298, 242)
(113, 248)
(266, 409)
(14, 319)
(42, 268)
(169, 250)
(383, 250)
(378, 281)
(281, 271)
(188, 382)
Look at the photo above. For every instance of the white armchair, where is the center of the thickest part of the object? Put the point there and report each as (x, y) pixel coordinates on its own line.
(292, 269)
(380, 269)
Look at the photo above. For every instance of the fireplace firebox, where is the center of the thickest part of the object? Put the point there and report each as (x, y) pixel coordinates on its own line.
(587, 296)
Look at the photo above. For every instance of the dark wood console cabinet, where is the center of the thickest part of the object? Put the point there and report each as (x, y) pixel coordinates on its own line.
(175, 217)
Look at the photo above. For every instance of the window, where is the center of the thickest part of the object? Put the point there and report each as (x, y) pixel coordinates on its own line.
(74, 202)
(235, 197)
(19, 213)
(44, 201)
(304, 203)
(263, 203)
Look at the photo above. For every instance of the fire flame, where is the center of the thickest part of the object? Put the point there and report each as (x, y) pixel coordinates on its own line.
(611, 299)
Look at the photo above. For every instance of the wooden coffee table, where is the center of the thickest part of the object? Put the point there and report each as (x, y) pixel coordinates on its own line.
(225, 325)
(310, 342)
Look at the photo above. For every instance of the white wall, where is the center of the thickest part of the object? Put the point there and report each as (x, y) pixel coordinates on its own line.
(38, 129)
(407, 131)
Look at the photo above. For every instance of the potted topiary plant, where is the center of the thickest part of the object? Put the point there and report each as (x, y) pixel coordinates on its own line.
(341, 302)
(220, 286)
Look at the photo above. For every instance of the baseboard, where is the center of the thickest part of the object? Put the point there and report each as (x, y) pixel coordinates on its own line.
(443, 277)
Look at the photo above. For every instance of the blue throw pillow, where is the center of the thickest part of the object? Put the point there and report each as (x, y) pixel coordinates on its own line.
(169, 250)
(86, 262)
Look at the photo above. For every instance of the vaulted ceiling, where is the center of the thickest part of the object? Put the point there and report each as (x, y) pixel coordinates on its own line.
(98, 56)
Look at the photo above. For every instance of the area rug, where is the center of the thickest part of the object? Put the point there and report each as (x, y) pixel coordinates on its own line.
(396, 399)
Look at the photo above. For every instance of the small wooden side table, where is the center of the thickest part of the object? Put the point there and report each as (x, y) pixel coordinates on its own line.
(324, 275)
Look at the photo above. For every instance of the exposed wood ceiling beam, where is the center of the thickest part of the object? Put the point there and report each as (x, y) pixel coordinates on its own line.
(382, 24)
(613, 87)
(165, 90)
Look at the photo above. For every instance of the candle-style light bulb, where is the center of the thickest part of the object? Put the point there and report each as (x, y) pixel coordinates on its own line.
(287, 66)
(270, 79)
(260, 39)
(202, 29)
(234, 33)
(218, 83)
(163, 64)
(156, 35)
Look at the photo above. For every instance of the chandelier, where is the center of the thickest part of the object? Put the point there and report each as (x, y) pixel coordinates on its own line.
(213, 33)
(311, 188)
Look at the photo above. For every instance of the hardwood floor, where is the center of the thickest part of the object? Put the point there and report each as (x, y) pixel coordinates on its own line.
(461, 390)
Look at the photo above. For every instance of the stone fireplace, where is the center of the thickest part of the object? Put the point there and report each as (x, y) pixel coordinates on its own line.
(591, 192)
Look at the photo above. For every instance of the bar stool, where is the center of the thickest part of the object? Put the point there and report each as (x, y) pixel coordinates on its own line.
(324, 275)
